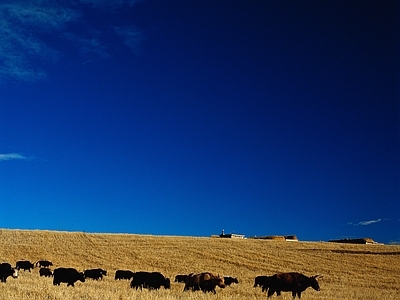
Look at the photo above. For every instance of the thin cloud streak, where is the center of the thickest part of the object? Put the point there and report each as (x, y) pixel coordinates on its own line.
(23, 51)
(12, 156)
(365, 223)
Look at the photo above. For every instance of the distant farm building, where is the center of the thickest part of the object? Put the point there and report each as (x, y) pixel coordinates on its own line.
(291, 238)
(229, 235)
(367, 241)
(283, 238)
(232, 236)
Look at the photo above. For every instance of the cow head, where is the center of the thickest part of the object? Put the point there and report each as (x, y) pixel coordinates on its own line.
(15, 273)
(167, 283)
(314, 282)
(81, 276)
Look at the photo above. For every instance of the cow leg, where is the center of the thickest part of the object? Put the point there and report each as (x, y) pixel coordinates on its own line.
(270, 292)
(264, 288)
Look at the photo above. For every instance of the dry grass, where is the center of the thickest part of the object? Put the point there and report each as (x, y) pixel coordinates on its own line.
(349, 271)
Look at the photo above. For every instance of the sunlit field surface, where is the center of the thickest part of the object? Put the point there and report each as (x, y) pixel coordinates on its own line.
(349, 271)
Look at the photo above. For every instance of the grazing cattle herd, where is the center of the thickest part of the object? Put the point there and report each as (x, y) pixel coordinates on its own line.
(293, 282)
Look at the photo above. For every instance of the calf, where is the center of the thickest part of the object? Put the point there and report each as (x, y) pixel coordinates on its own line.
(43, 263)
(46, 272)
(229, 280)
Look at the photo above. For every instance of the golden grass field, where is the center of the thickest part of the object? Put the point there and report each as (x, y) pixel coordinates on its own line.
(349, 271)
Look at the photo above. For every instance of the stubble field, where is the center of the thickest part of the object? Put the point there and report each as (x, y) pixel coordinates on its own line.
(349, 271)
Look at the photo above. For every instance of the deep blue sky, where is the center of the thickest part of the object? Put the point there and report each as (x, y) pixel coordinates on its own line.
(189, 117)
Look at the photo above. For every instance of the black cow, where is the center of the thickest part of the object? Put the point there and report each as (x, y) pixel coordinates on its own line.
(95, 273)
(262, 281)
(6, 270)
(181, 278)
(46, 272)
(123, 274)
(229, 280)
(67, 275)
(150, 280)
(24, 265)
(43, 263)
(291, 282)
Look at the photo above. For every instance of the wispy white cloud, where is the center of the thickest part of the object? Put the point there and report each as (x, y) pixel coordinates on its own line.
(20, 45)
(26, 27)
(12, 156)
(44, 15)
(365, 223)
